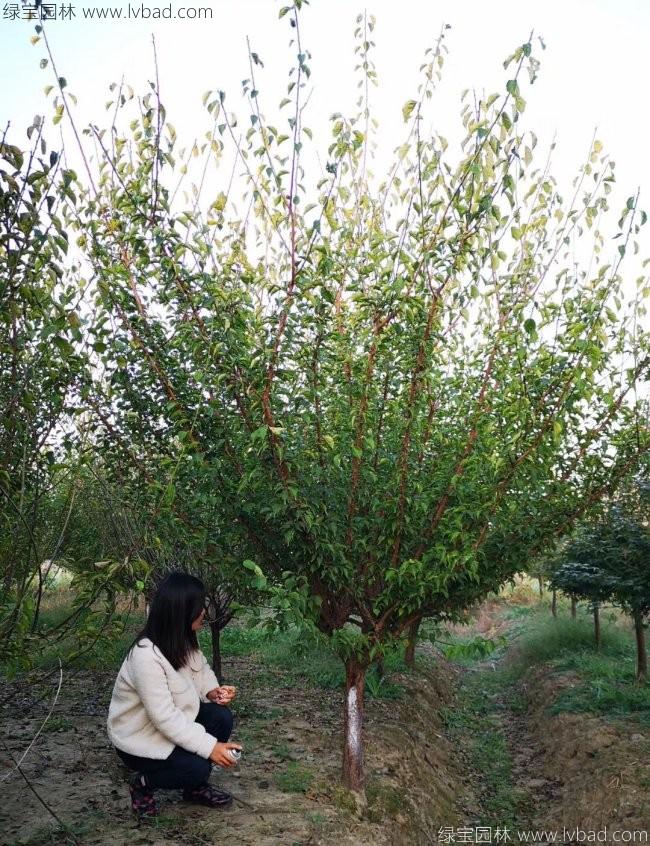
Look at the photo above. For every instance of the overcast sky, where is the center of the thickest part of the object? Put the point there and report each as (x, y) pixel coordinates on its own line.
(594, 69)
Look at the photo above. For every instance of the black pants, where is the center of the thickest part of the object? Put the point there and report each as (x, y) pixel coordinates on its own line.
(182, 768)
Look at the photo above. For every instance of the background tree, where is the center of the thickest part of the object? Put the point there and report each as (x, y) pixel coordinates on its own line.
(545, 566)
(613, 558)
(627, 560)
(579, 578)
(39, 369)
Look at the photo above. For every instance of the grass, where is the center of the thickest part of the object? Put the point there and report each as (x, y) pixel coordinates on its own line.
(317, 819)
(606, 687)
(607, 684)
(106, 654)
(53, 834)
(607, 698)
(518, 612)
(288, 658)
(284, 752)
(469, 721)
(58, 723)
(291, 657)
(383, 800)
(295, 778)
(542, 638)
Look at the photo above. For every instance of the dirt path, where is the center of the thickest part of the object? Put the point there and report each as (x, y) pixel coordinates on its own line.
(534, 794)
(534, 770)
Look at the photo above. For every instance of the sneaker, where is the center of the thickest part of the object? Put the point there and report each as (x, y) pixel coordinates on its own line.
(143, 801)
(205, 794)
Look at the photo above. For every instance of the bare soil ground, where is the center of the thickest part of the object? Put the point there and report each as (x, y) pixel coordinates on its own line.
(567, 770)
(591, 773)
(287, 786)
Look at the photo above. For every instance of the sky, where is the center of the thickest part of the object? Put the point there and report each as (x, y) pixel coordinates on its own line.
(594, 69)
(593, 74)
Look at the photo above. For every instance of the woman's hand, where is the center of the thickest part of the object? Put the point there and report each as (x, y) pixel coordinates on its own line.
(220, 754)
(222, 695)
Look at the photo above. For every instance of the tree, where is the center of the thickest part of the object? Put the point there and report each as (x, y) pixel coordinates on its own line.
(620, 549)
(386, 401)
(581, 579)
(609, 559)
(627, 566)
(38, 375)
(546, 565)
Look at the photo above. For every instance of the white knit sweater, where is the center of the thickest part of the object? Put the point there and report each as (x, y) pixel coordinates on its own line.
(153, 706)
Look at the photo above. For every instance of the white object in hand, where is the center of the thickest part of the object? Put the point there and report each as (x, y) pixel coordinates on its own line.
(235, 754)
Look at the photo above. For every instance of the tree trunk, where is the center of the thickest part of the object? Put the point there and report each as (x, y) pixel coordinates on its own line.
(39, 596)
(353, 774)
(554, 604)
(216, 650)
(574, 605)
(540, 581)
(597, 625)
(409, 653)
(641, 651)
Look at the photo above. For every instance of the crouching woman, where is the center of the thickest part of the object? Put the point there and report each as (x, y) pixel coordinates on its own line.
(168, 718)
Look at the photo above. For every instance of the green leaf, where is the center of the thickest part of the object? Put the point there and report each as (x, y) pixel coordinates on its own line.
(63, 345)
(259, 434)
(407, 109)
(220, 203)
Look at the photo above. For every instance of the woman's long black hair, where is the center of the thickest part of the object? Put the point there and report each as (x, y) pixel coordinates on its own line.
(178, 601)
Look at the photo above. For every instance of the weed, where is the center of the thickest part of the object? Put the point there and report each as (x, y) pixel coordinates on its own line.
(344, 799)
(544, 638)
(469, 723)
(281, 750)
(58, 723)
(295, 778)
(378, 687)
(472, 649)
(383, 800)
(53, 834)
(607, 697)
